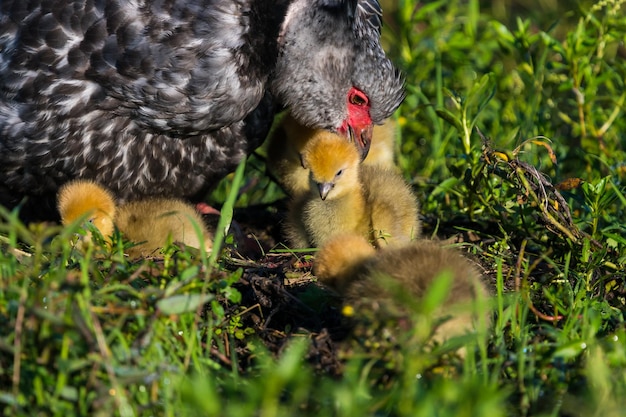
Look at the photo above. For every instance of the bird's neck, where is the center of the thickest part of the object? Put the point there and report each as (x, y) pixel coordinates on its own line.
(291, 9)
(267, 19)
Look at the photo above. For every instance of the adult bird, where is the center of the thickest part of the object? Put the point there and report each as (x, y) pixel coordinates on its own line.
(165, 97)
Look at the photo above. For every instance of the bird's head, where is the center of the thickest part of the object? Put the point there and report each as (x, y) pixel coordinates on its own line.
(86, 199)
(333, 163)
(332, 72)
(340, 260)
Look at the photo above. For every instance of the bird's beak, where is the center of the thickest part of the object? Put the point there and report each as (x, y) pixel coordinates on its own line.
(362, 138)
(325, 188)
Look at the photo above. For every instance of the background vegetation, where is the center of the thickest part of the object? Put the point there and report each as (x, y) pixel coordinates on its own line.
(513, 133)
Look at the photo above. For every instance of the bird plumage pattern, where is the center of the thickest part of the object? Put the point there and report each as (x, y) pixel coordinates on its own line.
(149, 223)
(347, 196)
(286, 143)
(163, 98)
(364, 276)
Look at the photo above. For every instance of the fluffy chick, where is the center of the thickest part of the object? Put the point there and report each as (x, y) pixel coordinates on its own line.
(361, 274)
(286, 143)
(151, 223)
(84, 197)
(346, 196)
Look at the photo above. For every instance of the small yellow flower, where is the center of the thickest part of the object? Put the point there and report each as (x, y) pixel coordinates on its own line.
(347, 311)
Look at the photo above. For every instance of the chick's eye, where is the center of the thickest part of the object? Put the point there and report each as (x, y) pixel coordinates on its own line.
(357, 98)
(338, 174)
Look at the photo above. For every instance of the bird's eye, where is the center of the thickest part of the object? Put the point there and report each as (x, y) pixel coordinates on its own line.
(338, 174)
(357, 98)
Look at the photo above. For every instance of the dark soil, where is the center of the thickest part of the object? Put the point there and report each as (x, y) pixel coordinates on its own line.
(284, 300)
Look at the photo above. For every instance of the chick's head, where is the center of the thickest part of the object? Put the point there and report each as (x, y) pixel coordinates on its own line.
(333, 163)
(82, 197)
(338, 262)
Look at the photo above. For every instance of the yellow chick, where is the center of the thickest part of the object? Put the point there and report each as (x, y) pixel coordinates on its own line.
(346, 196)
(150, 223)
(289, 139)
(361, 274)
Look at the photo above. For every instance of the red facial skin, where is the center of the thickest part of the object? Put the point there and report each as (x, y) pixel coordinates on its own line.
(358, 126)
(204, 208)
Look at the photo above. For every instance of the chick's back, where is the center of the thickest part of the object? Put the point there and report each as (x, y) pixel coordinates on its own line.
(415, 266)
(393, 207)
(152, 222)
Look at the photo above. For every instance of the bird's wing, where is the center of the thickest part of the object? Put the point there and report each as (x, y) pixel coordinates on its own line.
(181, 66)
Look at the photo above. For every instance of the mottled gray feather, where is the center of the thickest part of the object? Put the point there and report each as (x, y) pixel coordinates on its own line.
(165, 97)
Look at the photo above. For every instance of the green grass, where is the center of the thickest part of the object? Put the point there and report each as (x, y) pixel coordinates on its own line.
(513, 134)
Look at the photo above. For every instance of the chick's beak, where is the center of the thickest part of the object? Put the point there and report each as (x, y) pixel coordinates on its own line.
(362, 138)
(325, 188)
